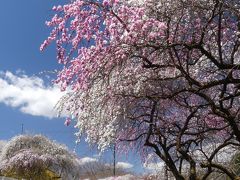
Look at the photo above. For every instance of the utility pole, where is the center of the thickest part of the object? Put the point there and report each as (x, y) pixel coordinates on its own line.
(165, 171)
(114, 160)
(22, 129)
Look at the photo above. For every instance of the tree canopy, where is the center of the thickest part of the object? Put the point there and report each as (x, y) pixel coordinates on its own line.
(162, 76)
(37, 157)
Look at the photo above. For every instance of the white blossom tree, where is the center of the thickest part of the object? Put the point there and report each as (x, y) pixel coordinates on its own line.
(36, 157)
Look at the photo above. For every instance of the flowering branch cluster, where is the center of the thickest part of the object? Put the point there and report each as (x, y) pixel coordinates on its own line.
(161, 74)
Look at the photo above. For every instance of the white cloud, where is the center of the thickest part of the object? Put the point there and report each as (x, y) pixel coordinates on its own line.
(124, 165)
(154, 166)
(87, 160)
(29, 94)
(124, 177)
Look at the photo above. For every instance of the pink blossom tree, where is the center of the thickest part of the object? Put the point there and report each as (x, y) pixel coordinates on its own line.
(162, 76)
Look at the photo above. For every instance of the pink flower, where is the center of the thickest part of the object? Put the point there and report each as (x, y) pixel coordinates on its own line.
(105, 3)
(67, 122)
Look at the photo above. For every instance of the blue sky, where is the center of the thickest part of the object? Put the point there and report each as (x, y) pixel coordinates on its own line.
(26, 93)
